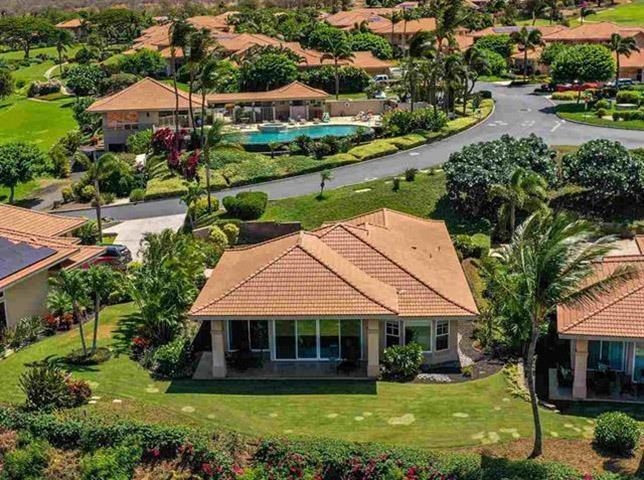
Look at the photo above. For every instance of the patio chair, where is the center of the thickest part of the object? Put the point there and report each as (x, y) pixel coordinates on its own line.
(243, 359)
(349, 364)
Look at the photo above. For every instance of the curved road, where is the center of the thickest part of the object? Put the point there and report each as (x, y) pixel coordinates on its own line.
(517, 113)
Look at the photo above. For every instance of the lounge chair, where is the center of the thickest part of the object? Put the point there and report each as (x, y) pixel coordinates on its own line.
(326, 117)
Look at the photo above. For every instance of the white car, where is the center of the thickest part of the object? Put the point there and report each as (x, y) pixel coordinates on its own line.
(382, 78)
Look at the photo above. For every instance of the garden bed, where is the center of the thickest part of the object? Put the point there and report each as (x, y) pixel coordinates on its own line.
(576, 112)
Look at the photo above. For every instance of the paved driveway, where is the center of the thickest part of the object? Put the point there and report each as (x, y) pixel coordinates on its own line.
(517, 113)
(130, 232)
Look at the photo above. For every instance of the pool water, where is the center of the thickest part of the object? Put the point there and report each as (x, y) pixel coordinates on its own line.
(313, 131)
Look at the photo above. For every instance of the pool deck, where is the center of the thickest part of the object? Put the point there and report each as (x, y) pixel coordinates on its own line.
(253, 127)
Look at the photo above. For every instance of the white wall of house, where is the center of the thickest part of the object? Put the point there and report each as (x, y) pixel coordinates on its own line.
(27, 297)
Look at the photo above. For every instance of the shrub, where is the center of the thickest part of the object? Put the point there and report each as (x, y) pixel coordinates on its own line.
(377, 148)
(37, 89)
(402, 362)
(115, 463)
(410, 140)
(500, 44)
(395, 184)
(137, 195)
(87, 193)
(116, 83)
(62, 465)
(485, 94)
(246, 205)
(628, 96)
(627, 115)
(602, 104)
(494, 63)
(352, 79)
(401, 122)
(47, 386)
(79, 392)
(140, 142)
(472, 246)
(26, 331)
(616, 432)
(200, 208)
(27, 462)
(144, 63)
(232, 233)
(87, 233)
(565, 96)
(59, 159)
(84, 79)
(602, 112)
(410, 174)
(173, 359)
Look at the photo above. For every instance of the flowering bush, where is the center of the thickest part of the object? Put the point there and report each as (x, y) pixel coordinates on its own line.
(66, 321)
(164, 140)
(79, 392)
(138, 346)
(190, 164)
(50, 323)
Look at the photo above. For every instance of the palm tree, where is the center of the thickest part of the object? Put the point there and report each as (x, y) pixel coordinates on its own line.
(216, 138)
(62, 41)
(195, 53)
(535, 7)
(554, 8)
(337, 49)
(325, 176)
(527, 40)
(411, 72)
(395, 17)
(71, 283)
(549, 263)
(424, 46)
(99, 282)
(191, 196)
(179, 33)
(454, 71)
(622, 46)
(525, 191)
(98, 171)
(475, 62)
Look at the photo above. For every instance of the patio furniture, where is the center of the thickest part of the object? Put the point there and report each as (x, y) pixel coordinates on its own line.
(626, 385)
(349, 364)
(243, 359)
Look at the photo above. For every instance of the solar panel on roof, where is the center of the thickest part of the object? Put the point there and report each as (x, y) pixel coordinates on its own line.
(17, 256)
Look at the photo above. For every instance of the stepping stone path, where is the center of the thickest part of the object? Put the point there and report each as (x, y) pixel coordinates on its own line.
(117, 400)
(460, 415)
(92, 384)
(288, 431)
(362, 190)
(92, 402)
(554, 434)
(332, 415)
(272, 415)
(95, 398)
(478, 436)
(152, 390)
(211, 416)
(406, 419)
(506, 399)
(358, 418)
(188, 409)
(497, 408)
(366, 414)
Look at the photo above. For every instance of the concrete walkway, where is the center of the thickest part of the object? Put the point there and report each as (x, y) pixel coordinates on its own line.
(130, 232)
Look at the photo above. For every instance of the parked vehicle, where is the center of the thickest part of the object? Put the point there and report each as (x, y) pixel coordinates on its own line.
(117, 256)
(566, 87)
(622, 82)
(382, 78)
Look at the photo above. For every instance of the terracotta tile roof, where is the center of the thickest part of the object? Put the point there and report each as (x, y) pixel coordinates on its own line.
(384, 263)
(71, 23)
(38, 223)
(590, 32)
(509, 29)
(411, 27)
(634, 60)
(619, 314)
(212, 22)
(145, 95)
(463, 41)
(292, 91)
(348, 19)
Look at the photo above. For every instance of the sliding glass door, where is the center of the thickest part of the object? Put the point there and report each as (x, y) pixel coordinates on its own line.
(638, 363)
(317, 339)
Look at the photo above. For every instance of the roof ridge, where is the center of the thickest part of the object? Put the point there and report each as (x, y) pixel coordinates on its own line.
(373, 247)
(345, 280)
(244, 280)
(603, 307)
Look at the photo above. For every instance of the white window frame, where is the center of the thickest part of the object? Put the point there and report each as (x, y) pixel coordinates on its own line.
(601, 349)
(634, 358)
(394, 325)
(229, 331)
(273, 341)
(436, 335)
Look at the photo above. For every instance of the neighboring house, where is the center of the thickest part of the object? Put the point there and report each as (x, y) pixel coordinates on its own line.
(73, 26)
(606, 339)
(145, 105)
(33, 245)
(310, 302)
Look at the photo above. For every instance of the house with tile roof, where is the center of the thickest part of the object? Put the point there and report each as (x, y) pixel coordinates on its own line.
(311, 303)
(145, 105)
(33, 246)
(606, 337)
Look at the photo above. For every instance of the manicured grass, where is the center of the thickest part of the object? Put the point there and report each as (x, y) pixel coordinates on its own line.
(625, 14)
(424, 197)
(576, 112)
(40, 122)
(411, 414)
(32, 72)
(29, 190)
(51, 51)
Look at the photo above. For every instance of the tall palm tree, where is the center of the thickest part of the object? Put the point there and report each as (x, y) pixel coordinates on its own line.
(424, 46)
(395, 17)
(337, 48)
(525, 191)
(549, 263)
(411, 74)
(71, 283)
(475, 62)
(527, 40)
(217, 138)
(196, 52)
(179, 33)
(97, 172)
(622, 46)
(454, 71)
(554, 9)
(62, 41)
(99, 282)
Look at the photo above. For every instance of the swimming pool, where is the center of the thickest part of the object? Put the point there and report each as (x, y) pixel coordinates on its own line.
(313, 131)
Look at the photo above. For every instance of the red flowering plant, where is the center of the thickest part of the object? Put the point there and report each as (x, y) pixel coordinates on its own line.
(138, 346)
(66, 321)
(50, 324)
(163, 140)
(79, 392)
(190, 164)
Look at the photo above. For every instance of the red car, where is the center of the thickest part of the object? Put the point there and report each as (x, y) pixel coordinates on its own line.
(575, 87)
(116, 256)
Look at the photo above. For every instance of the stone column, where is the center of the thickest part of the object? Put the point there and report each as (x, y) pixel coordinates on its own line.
(218, 354)
(581, 365)
(373, 348)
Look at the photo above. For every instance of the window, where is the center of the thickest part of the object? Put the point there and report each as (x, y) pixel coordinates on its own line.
(3, 313)
(392, 333)
(285, 339)
(602, 354)
(638, 364)
(248, 334)
(419, 331)
(442, 335)
(318, 339)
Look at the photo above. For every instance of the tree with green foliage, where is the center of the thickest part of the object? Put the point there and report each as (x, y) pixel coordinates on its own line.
(475, 61)
(71, 283)
(19, 162)
(190, 197)
(325, 176)
(179, 32)
(7, 83)
(549, 263)
(217, 137)
(118, 25)
(198, 49)
(551, 51)
(493, 64)
(63, 40)
(23, 31)
(100, 281)
(144, 63)
(621, 46)
(525, 191)
(85, 80)
(337, 48)
(583, 63)
(501, 44)
(267, 70)
(88, 122)
(526, 40)
(97, 171)
(367, 41)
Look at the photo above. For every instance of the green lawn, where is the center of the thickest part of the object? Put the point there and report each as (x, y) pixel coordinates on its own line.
(576, 112)
(40, 122)
(625, 14)
(453, 415)
(424, 197)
